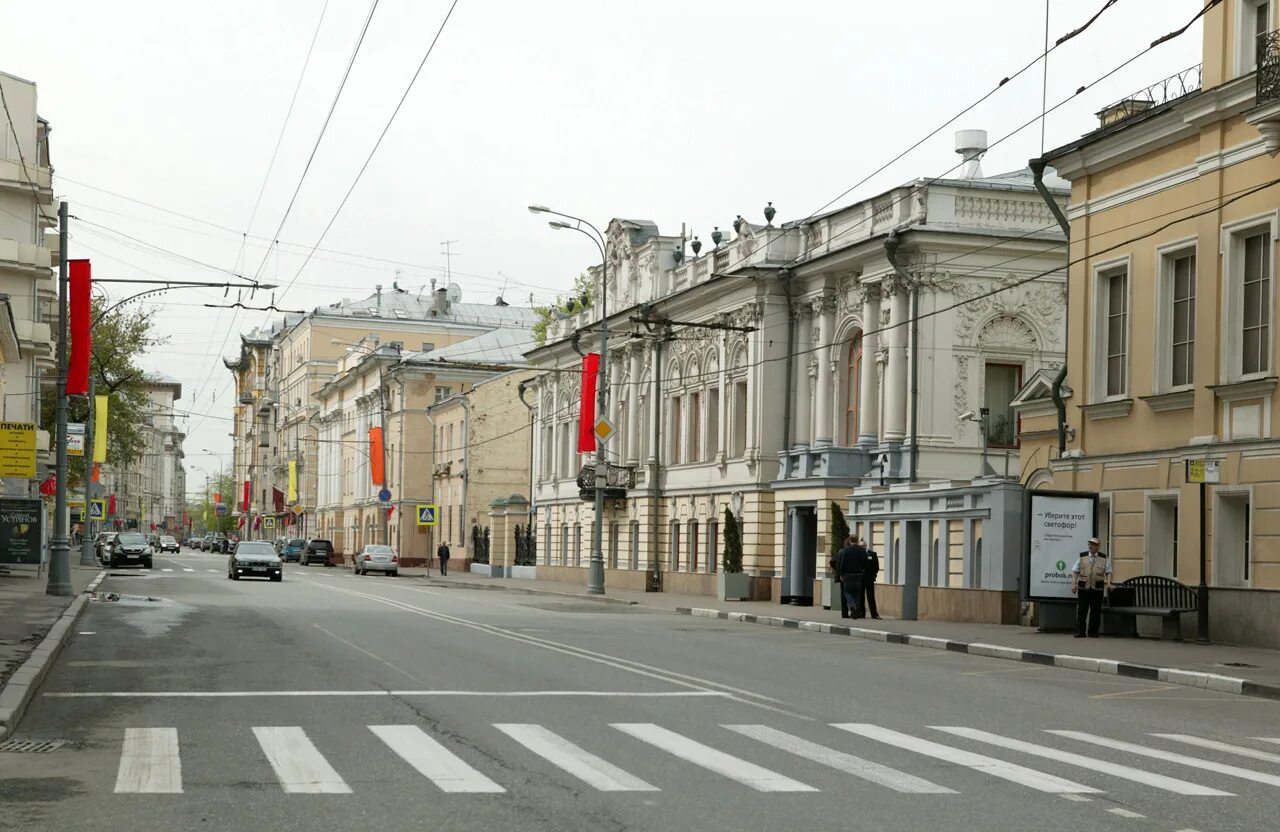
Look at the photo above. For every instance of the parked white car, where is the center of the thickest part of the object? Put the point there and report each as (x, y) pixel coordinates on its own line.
(375, 557)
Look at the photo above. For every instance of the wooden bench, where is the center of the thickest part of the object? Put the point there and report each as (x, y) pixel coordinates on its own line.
(1149, 595)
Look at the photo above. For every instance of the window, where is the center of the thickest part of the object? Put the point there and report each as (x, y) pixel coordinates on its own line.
(713, 546)
(577, 544)
(740, 418)
(713, 422)
(613, 545)
(693, 545)
(675, 546)
(635, 544)
(1181, 277)
(695, 427)
(1255, 341)
(1253, 21)
(677, 420)
(564, 545)
(1002, 383)
(1111, 336)
(852, 379)
(442, 393)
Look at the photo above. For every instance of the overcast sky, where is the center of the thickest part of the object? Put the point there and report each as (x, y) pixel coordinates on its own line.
(691, 111)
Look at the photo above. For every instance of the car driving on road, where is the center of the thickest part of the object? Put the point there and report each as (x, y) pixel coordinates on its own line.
(316, 551)
(374, 557)
(131, 549)
(255, 559)
(291, 551)
(169, 544)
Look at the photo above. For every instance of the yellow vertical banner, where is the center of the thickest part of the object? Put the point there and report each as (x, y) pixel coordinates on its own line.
(100, 428)
(292, 495)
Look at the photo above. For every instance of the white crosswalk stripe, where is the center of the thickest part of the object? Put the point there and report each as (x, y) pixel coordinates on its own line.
(582, 764)
(1168, 756)
(749, 774)
(1159, 781)
(150, 762)
(1221, 746)
(299, 767)
(883, 775)
(435, 762)
(988, 765)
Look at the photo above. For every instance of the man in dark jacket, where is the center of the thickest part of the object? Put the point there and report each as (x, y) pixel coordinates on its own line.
(853, 564)
(869, 575)
(835, 569)
(442, 552)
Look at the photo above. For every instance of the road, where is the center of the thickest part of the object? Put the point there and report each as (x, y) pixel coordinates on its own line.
(335, 702)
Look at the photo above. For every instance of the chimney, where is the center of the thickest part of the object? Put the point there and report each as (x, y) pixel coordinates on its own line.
(441, 303)
(972, 146)
(377, 290)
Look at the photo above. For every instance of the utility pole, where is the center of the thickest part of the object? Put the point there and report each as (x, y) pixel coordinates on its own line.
(86, 545)
(59, 548)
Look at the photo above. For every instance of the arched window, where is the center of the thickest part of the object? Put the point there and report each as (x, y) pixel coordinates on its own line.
(853, 374)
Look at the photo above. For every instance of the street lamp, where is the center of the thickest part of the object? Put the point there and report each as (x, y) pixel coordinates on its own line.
(595, 573)
(981, 418)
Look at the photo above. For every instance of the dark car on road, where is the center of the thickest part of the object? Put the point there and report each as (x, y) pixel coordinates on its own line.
(316, 551)
(129, 549)
(291, 550)
(255, 559)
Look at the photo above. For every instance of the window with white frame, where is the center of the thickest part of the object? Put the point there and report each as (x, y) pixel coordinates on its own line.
(1180, 278)
(695, 427)
(1255, 322)
(1254, 19)
(1111, 336)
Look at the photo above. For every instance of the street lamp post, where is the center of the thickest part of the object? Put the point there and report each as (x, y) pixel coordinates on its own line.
(595, 573)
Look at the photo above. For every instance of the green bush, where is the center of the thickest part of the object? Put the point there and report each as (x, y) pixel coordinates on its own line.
(732, 543)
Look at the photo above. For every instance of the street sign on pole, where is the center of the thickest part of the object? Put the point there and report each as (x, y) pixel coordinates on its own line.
(384, 496)
(221, 509)
(1204, 471)
(98, 510)
(604, 428)
(75, 438)
(268, 522)
(426, 514)
(18, 449)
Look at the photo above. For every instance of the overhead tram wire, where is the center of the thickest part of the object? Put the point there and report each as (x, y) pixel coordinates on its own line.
(376, 145)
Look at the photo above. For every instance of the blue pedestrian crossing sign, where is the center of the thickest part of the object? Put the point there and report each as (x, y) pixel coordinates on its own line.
(426, 514)
(98, 510)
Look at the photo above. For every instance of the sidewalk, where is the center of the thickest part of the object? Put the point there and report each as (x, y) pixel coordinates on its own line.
(1250, 664)
(27, 613)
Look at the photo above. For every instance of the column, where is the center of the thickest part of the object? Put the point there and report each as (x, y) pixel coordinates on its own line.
(721, 450)
(825, 308)
(556, 416)
(615, 379)
(895, 412)
(655, 406)
(801, 428)
(868, 381)
(633, 408)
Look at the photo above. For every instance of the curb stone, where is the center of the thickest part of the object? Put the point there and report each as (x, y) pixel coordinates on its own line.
(1168, 675)
(22, 683)
(581, 596)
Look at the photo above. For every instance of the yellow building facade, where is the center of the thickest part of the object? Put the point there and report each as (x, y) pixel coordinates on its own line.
(1171, 350)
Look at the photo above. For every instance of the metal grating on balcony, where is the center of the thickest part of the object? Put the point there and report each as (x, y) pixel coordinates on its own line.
(1161, 92)
(1268, 67)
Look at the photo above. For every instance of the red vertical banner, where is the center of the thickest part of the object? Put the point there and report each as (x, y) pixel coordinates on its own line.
(246, 496)
(79, 298)
(376, 474)
(111, 504)
(587, 409)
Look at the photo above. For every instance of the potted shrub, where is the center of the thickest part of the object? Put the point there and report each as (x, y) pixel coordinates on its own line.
(732, 584)
(839, 531)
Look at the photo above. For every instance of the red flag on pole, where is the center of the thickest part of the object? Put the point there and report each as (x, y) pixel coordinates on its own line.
(79, 285)
(111, 504)
(587, 410)
(375, 456)
(257, 522)
(246, 495)
(240, 523)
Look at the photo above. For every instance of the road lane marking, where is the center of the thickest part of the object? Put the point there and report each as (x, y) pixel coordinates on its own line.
(435, 762)
(187, 569)
(1221, 746)
(1028, 777)
(212, 570)
(1168, 756)
(580, 763)
(669, 676)
(1159, 781)
(299, 767)
(1274, 740)
(149, 762)
(883, 775)
(1076, 798)
(233, 694)
(166, 570)
(1125, 813)
(373, 656)
(749, 774)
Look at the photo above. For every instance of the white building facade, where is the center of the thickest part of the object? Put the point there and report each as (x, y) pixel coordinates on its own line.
(790, 365)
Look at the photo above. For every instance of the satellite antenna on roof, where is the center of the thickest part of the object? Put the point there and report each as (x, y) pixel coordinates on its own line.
(454, 294)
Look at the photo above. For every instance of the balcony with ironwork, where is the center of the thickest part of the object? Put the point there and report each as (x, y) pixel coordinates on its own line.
(1265, 115)
(1162, 92)
(618, 480)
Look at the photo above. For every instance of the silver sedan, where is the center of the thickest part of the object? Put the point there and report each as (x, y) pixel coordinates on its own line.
(375, 557)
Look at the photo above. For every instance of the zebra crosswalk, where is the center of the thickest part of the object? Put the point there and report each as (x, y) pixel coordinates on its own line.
(753, 757)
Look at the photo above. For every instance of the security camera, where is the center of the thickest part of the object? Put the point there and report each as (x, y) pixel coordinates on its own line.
(967, 416)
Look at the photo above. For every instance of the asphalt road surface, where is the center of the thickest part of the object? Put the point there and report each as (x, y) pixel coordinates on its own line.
(335, 702)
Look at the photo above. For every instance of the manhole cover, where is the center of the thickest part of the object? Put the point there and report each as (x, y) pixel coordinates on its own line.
(1238, 664)
(30, 746)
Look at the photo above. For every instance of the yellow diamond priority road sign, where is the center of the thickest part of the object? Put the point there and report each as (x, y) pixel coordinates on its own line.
(604, 428)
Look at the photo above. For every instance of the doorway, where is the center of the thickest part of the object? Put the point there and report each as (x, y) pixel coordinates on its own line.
(801, 555)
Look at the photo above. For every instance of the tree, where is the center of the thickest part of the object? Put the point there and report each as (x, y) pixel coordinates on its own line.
(119, 338)
(839, 528)
(732, 543)
(583, 290)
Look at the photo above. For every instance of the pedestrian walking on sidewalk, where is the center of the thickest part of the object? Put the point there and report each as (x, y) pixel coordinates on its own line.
(442, 552)
(869, 574)
(1090, 581)
(853, 564)
(835, 569)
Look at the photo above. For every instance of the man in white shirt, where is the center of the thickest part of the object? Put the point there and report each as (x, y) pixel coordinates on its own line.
(1090, 581)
